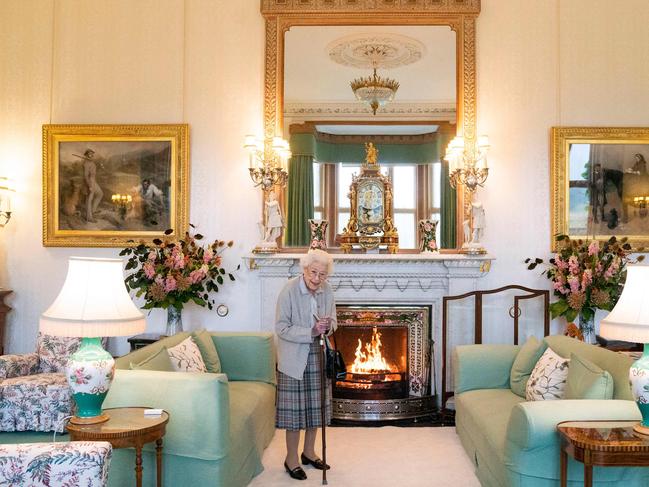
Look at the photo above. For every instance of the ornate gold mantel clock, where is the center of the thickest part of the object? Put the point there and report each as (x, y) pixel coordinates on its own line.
(371, 223)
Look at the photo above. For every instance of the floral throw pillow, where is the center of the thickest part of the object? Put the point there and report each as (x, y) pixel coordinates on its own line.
(548, 379)
(186, 357)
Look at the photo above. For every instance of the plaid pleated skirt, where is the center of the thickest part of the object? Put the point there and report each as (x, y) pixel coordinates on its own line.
(299, 401)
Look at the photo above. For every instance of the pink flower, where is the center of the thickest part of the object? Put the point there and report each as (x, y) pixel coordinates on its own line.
(558, 286)
(573, 264)
(561, 264)
(197, 275)
(152, 255)
(586, 278)
(432, 245)
(149, 270)
(593, 248)
(573, 282)
(207, 256)
(612, 269)
(217, 260)
(170, 284)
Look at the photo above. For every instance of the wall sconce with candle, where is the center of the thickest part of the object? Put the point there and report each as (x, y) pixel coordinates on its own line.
(268, 167)
(6, 196)
(468, 167)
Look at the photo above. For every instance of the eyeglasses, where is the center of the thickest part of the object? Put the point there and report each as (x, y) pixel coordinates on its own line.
(315, 274)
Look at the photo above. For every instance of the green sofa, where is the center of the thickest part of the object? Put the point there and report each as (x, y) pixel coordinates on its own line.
(513, 442)
(219, 423)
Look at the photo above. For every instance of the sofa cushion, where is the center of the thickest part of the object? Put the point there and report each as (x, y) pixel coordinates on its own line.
(524, 363)
(615, 363)
(206, 345)
(484, 414)
(548, 379)
(587, 381)
(158, 361)
(186, 357)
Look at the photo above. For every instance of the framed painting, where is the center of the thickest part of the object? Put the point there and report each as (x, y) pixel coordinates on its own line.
(110, 185)
(600, 183)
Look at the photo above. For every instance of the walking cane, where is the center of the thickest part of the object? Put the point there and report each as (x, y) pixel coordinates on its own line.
(323, 406)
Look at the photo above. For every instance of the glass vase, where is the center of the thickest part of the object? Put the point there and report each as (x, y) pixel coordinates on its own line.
(587, 328)
(174, 321)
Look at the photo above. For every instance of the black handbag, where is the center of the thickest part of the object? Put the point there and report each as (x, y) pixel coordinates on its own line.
(335, 367)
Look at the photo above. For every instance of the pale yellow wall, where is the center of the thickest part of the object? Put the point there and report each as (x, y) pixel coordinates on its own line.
(540, 63)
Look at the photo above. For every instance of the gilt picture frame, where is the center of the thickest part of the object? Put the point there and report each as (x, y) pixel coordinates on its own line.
(114, 185)
(600, 183)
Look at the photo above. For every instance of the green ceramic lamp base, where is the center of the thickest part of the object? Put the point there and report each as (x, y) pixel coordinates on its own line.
(90, 372)
(639, 378)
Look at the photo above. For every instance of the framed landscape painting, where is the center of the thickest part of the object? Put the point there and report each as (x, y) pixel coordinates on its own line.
(110, 185)
(600, 183)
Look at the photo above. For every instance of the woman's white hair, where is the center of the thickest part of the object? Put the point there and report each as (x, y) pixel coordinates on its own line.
(319, 256)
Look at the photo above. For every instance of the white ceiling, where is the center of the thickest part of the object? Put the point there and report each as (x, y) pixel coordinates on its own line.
(377, 129)
(310, 76)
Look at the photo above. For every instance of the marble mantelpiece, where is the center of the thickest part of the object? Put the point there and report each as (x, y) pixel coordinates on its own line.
(399, 279)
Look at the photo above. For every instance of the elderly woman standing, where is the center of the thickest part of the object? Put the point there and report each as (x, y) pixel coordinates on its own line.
(305, 310)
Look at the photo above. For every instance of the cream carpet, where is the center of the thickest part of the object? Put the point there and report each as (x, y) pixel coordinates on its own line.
(378, 457)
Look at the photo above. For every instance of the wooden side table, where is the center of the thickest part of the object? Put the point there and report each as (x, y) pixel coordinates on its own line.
(601, 443)
(127, 428)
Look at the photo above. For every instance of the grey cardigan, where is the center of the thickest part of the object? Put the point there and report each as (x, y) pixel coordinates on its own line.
(294, 323)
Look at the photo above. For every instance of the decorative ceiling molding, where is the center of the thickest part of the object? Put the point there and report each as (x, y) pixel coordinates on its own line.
(269, 7)
(368, 51)
(357, 111)
(377, 139)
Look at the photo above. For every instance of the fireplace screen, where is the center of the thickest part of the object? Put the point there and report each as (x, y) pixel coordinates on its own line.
(377, 362)
(386, 349)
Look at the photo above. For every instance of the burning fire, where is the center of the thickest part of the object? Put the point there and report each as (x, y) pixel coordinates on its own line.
(371, 360)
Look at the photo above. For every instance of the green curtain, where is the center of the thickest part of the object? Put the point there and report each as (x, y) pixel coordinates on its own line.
(388, 153)
(448, 201)
(448, 211)
(300, 200)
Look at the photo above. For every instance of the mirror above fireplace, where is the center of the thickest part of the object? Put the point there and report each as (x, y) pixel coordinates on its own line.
(445, 96)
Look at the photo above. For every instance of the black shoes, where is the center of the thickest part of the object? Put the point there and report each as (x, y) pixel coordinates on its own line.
(319, 464)
(297, 473)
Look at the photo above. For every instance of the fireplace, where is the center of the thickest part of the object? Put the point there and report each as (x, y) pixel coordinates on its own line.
(387, 353)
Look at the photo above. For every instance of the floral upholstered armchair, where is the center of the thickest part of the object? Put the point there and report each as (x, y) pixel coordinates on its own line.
(45, 464)
(34, 392)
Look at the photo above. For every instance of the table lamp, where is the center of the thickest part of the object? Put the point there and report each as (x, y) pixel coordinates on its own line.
(629, 321)
(93, 303)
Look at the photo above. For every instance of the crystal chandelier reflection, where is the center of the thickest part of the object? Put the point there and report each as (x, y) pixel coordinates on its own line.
(467, 167)
(268, 161)
(375, 90)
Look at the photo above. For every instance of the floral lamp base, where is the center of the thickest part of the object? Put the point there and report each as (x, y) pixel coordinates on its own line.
(639, 378)
(90, 371)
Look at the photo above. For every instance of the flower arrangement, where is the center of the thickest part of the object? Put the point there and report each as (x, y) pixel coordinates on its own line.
(170, 273)
(586, 275)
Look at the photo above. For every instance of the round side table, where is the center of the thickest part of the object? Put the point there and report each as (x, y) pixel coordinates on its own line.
(127, 428)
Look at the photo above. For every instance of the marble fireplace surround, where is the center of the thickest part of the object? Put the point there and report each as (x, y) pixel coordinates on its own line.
(385, 279)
